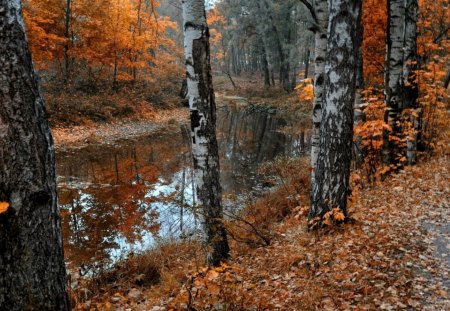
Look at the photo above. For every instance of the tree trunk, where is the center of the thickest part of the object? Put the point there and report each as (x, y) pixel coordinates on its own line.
(401, 89)
(306, 61)
(67, 20)
(336, 130)
(32, 270)
(265, 63)
(410, 85)
(203, 121)
(321, 12)
(358, 108)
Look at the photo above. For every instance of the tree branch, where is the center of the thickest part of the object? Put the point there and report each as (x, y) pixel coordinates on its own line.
(310, 8)
(441, 35)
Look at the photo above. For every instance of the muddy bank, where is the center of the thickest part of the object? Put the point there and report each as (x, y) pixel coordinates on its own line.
(108, 133)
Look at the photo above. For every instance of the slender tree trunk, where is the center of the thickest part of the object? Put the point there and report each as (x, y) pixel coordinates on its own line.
(336, 130)
(306, 61)
(410, 85)
(67, 20)
(401, 89)
(203, 121)
(32, 270)
(320, 37)
(409, 80)
(265, 64)
(358, 106)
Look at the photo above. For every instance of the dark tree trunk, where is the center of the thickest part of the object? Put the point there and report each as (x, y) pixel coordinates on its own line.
(32, 270)
(358, 108)
(306, 60)
(67, 20)
(336, 131)
(401, 90)
(203, 123)
(265, 64)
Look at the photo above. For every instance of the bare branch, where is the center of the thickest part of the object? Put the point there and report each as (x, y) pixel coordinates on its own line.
(310, 8)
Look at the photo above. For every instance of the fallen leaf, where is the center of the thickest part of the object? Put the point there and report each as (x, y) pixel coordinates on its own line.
(3, 207)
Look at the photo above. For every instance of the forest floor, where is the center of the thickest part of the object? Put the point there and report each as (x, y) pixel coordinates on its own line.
(396, 255)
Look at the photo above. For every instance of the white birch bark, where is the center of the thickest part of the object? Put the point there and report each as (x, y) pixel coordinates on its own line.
(321, 12)
(203, 120)
(336, 127)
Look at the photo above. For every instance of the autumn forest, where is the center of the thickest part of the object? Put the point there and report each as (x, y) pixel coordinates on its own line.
(224, 155)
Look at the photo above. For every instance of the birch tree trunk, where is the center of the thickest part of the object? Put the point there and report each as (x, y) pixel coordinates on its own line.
(32, 270)
(401, 89)
(336, 130)
(410, 85)
(320, 37)
(203, 121)
(359, 115)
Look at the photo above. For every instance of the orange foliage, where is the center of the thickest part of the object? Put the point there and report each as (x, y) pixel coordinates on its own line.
(433, 47)
(374, 23)
(119, 37)
(216, 23)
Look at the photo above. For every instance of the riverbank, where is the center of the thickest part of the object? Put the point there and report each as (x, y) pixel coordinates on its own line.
(396, 255)
(107, 133)
(146, 118)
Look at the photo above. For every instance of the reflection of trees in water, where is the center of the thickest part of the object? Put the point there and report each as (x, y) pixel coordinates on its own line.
(249, 137)
(112, 196)
(104, 197)
(96, 221)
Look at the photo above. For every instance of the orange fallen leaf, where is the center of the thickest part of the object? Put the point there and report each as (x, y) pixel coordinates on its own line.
(212, 275)
(3, 207)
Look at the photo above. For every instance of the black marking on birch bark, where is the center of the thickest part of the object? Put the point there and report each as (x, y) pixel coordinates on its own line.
(194, 26)
(320, 80)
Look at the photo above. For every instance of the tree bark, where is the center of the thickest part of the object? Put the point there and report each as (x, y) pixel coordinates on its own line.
(320, 37)
(264, 62)
(67, 23)
(203, 121)
(358, 109)
(401, 89)
(32, 269)
(306, 61)
(336, 130)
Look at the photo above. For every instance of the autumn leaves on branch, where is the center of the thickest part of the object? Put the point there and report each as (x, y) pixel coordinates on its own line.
(98, 40)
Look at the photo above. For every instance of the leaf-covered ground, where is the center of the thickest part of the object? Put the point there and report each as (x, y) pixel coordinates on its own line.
(395, 256)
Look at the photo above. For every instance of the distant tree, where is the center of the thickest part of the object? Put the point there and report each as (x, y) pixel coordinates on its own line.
(32, 270)
(203, 124)
(266, 36)
(336, 128)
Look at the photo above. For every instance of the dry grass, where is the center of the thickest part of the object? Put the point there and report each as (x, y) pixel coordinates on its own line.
(159, 272)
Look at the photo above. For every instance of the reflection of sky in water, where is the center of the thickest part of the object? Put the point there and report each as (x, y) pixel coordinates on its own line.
(114, 195)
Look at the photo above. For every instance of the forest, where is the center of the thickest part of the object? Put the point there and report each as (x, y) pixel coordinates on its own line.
(224, 155)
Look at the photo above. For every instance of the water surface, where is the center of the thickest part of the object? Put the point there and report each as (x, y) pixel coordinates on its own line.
(123, 198)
